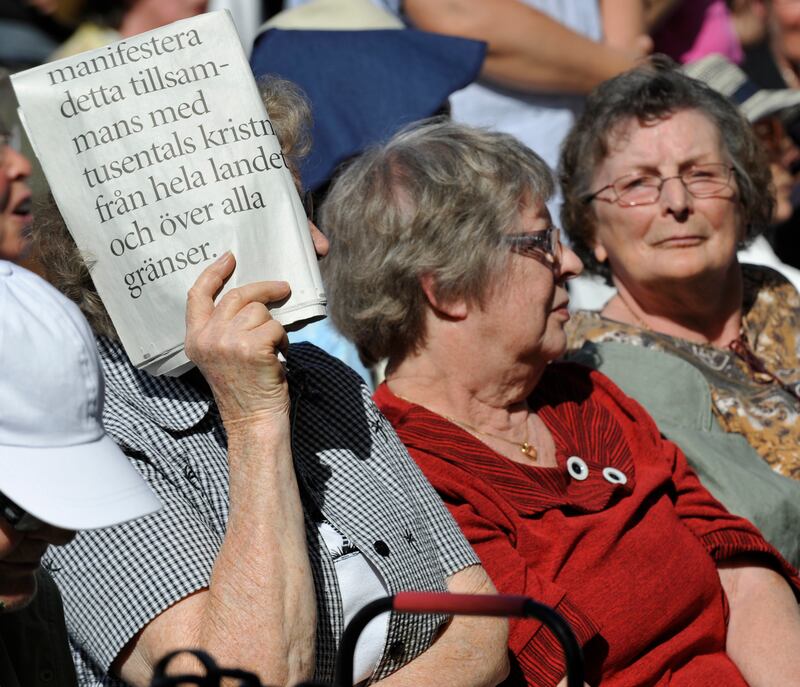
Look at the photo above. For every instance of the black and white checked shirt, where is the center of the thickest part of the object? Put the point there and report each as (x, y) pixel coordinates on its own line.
(353, 471)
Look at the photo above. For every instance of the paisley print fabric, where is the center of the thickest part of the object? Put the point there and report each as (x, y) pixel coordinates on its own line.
(745, 400)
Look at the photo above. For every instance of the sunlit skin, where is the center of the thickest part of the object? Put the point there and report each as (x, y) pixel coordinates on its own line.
(525, 312)
(15, 215)
(20, 557)
(523, 317)
(663, 254)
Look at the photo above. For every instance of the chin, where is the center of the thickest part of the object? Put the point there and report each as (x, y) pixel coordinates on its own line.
(17, 593)
(14, 246)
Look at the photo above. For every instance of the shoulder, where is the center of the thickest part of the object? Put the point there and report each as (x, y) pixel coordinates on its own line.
(136, 401)
(573, 388)
(763, 276)
(761, 282)
(571, 380)
(330, 369)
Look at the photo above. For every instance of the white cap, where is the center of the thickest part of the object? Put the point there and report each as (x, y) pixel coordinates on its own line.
(56, 461)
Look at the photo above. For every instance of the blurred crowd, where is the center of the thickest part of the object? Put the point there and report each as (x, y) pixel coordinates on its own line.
(562, 361)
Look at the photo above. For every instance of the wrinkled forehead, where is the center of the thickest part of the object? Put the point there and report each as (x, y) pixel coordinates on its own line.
(684, 134)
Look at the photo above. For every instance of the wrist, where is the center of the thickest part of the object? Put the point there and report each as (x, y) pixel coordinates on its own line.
(263, 426)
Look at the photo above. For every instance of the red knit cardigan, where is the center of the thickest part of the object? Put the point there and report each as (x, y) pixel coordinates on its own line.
(631, 566)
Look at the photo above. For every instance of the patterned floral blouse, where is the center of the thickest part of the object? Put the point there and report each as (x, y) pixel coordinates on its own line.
(745, 400)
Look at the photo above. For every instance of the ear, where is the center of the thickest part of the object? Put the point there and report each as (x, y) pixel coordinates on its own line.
(600, 253)
(453, 310)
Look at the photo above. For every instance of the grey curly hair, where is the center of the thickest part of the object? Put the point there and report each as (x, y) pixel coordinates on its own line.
(646, 94)
(69, 271)
(436, 199)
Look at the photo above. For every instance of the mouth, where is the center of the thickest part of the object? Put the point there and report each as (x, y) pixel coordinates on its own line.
(20, 567)
(680, 241)
(562, 309)
(23, 208)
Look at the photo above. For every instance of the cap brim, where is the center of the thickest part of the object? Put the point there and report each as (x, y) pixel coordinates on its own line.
(76, 487)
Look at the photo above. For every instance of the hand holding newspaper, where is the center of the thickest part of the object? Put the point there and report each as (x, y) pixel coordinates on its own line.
(161, 156)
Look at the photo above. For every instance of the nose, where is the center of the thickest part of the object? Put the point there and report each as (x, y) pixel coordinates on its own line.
(15, 165)
(675, 198)
(321, 243)
(570, 265)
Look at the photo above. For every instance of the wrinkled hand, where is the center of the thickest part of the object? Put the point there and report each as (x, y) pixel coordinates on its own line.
(235, 344)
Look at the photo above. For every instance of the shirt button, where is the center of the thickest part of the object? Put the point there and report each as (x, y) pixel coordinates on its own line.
(615, 476)
(397, 651)
(46, 675)
(381, 548)
(577, 468)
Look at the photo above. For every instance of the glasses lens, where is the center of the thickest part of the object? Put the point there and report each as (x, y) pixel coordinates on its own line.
(17, 517)
(638, 189)
(540, 244)
(706, 180)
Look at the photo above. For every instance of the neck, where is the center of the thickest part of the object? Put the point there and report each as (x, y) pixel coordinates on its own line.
(470, 390)
(706, 310)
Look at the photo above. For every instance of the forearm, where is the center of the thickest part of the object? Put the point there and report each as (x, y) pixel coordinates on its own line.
(259, 610)
(261, 586)
(623, 22)
(527, 49)
(470, 652)
(763, 637)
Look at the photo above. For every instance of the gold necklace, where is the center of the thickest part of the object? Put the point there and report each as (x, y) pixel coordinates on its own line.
(525, 447)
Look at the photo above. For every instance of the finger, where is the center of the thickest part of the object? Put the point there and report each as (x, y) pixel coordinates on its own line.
(200, 299)
(251, 316)
(272, 334)
(258, 291)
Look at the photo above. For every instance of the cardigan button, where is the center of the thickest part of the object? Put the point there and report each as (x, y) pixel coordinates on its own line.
(577, 468)
(381, 548)
(615, 476)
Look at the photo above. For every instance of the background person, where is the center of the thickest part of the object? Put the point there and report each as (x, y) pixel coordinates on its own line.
(563, 485)
(663, 180)
(15, 199)
(289, 503)
(59, 472)
(768, 111)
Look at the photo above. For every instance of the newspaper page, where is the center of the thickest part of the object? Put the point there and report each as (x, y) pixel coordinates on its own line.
(161, 156)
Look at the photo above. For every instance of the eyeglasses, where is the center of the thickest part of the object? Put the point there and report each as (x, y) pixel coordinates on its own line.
(702, 181)
(5, 141)
(17, 517)
(544, 244)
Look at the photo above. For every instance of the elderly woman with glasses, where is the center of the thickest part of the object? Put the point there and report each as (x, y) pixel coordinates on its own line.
(444, 260)
(663, 180)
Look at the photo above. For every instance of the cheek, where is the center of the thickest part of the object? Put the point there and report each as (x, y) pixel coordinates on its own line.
(618, 233)
(9, 539)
